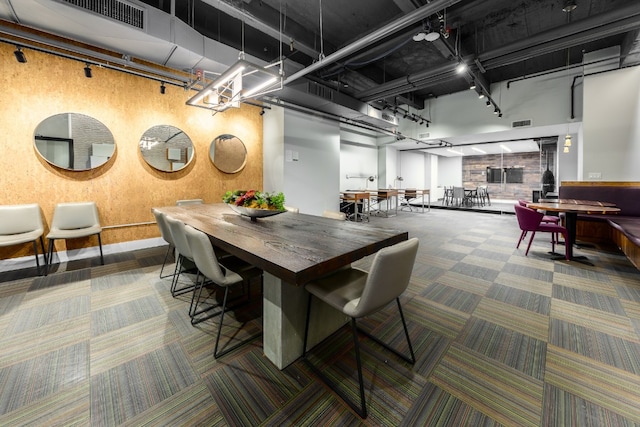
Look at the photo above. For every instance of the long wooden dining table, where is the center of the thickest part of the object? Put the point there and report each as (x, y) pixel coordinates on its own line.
(292, 249)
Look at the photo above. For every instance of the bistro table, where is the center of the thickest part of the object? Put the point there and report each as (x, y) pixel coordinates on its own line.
(571, 211)
(291, 249)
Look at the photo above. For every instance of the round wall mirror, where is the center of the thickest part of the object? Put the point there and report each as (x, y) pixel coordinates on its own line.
(74, 141)
(166, 148)
(228, 153)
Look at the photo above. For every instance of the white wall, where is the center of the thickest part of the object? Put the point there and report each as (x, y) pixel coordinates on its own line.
(311, 178)
(273, 150)
(450, 171)
(358, 160)
(545, 100)
(413, 169)
(612, 126)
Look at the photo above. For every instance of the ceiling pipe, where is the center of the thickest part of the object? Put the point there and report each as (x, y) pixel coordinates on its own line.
(260, 26)
(375, 36)
(405, 82)
(564, 37)
(618, 21)
(560, 44)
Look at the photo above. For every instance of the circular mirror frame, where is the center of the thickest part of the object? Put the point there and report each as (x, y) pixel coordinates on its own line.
(66, 140)
(228, 153)
(166, 148)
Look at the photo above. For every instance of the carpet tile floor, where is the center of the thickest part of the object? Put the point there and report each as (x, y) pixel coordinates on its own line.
(499, 338)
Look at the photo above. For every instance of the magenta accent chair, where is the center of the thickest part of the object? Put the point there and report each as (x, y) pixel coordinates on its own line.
(531, 220)
(545, 218)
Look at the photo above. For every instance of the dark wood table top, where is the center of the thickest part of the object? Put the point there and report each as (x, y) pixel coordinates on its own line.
(296, 248)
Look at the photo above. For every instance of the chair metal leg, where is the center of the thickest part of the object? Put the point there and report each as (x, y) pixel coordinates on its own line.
(166, 257)
(175, 291)
(362, 409)
(217, 354)
(195, 301)
(49, 255)
(100, 244)
(35, 250)
(520, 239)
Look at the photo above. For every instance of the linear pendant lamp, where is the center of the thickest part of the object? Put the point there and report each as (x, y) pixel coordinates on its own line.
(242, 81)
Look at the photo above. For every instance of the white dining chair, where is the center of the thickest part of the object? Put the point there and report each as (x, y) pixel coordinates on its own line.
(358, 293)
(22, 224)
(73, 221)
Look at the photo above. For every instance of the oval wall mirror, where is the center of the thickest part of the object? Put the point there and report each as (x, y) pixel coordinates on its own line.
(74, 141)
(166, 148)
(228, 153)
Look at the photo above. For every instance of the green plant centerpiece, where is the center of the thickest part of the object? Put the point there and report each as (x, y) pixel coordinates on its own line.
(254, 204)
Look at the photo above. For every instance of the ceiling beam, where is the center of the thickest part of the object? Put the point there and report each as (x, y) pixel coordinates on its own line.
(375, 36)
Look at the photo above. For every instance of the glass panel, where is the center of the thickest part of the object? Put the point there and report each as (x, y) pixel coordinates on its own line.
(166, 148)
(228, 153)
(74, 141)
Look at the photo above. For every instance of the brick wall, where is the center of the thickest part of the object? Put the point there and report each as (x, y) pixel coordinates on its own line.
(474, 173)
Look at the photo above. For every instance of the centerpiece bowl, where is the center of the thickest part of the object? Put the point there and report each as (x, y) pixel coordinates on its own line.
(254, 214)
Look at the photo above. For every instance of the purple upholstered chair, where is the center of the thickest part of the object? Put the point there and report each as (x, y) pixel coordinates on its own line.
(545, 218)
(531, 220)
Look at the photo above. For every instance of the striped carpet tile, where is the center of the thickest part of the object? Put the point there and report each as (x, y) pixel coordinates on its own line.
(451, 297)
(36, 378)
(48, 314)
(565, 409)
(389, 392)
(192, 406)
(125, 314)
(541, 287)
(125, 344)
(517, 319)
(594, 300)
(608, 349)
(519, 351)
(613, 389)
(520, 298)
(608, 323)
(130, 388)
(20, 347)
(314, 406)
(249, 389)
(438, 318)
(69, 406)
(437, 408)
(463, 283)
(500, 392)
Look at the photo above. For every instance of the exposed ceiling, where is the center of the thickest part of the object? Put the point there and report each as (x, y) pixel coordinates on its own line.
(362, 52)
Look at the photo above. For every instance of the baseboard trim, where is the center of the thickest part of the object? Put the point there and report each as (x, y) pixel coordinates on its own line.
(20, 263)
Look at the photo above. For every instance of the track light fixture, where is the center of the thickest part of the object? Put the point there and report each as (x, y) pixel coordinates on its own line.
(163, 88)
(488, 103)
(262, 112)
(20, 55)
(480, 95)
(500, 114)
(472, 86)
(495, 111)
(569, 6)
(87, 71)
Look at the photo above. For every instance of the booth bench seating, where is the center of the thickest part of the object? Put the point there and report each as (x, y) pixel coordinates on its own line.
(623, 228)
